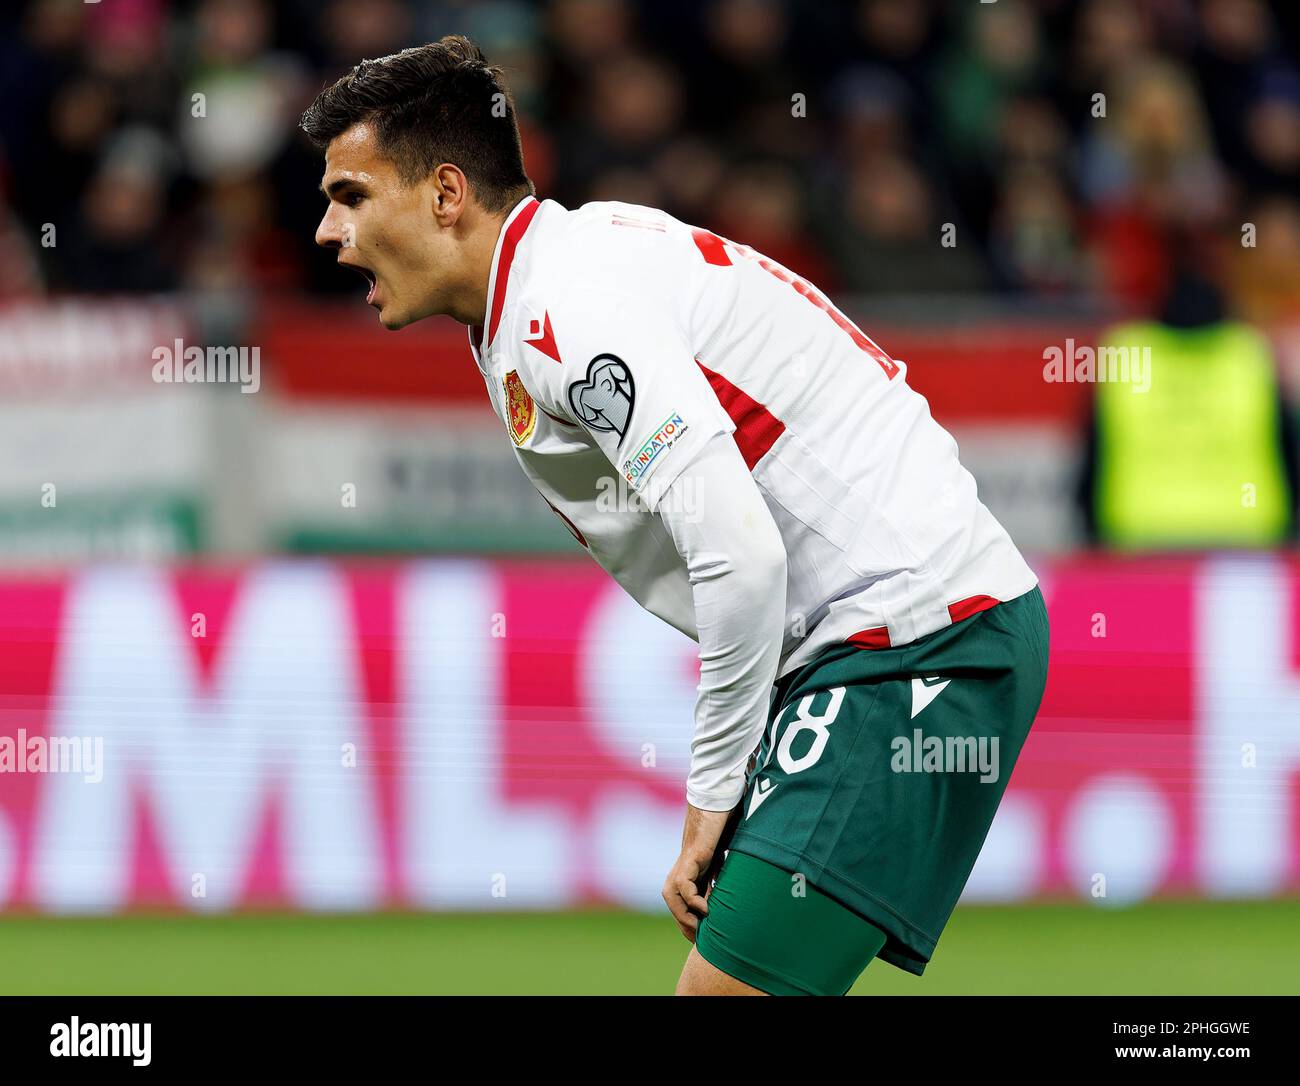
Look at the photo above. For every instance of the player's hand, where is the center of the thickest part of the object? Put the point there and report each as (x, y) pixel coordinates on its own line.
(686, 888)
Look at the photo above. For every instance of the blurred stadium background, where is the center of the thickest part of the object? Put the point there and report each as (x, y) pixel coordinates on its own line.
(372, 722)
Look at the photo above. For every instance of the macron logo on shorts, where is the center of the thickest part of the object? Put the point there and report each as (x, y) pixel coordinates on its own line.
(924, 690)
(762, 790)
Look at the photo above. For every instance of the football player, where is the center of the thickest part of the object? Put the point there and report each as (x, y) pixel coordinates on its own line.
(873, 647)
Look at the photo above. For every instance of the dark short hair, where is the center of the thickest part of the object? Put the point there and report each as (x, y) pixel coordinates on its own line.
(434, 103)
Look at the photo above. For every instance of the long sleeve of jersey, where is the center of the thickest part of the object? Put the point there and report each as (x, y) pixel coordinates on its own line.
(629, 377)
(737, 564)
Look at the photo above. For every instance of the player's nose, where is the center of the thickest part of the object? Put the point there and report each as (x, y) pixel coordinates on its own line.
(329, 234)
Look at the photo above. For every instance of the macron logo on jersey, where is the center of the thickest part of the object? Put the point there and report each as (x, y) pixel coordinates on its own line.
(925, 688)
(542, 336)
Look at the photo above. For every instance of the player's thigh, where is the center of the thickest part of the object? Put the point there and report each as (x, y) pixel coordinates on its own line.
(700, 977)
(770, 930)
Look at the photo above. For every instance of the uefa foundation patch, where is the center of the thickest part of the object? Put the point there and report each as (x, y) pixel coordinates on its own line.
(521, 412)
(668, 431)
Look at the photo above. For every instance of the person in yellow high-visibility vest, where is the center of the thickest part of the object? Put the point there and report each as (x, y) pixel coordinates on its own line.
(1190, 443)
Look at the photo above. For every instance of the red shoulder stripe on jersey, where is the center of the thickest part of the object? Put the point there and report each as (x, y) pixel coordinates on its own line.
(514, 233)
(711, 247)
(756, 427)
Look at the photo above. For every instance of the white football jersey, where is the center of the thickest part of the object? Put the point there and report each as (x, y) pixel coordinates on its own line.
(620, 340)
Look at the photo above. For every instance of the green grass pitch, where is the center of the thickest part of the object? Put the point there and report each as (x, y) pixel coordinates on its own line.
(1171, 947)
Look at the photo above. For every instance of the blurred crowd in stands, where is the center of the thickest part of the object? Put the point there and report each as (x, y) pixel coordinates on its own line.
(148, 145)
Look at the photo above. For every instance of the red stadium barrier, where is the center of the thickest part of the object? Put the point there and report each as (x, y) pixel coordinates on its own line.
(981, 372)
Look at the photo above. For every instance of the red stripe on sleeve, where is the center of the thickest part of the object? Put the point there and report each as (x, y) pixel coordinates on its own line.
(756, 427)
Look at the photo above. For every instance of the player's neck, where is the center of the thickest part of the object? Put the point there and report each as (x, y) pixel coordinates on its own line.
(470, 306)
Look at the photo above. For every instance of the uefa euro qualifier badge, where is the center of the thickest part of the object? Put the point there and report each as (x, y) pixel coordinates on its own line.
(603, 400)
(521, 412)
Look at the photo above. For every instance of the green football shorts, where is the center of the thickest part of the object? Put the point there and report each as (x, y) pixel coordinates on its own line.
(870, 797)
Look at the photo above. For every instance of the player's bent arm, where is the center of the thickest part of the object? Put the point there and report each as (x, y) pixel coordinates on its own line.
(733, 550)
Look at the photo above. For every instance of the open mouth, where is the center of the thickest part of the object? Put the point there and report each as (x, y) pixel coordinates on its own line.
(369, 277)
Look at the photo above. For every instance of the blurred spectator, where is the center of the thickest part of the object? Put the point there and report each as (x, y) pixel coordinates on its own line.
(1148, 169)
(20, 271)
(631, 113)
(1266, 276)
(117, 242)
(689, 171)
(998, 55)
(1107, 39)
(1238, 42)
(1034, 241)
(581, 33)
(238, 244)
(743, 84)
(235, 110)
(890, 238)
(874, 111)
(1272, 128)
(374, 29)
(900, 39)
(762, 204)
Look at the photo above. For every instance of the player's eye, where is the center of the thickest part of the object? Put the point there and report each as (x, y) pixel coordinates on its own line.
(352, 199)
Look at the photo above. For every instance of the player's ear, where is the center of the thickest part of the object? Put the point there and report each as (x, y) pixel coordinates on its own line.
(450, 193)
